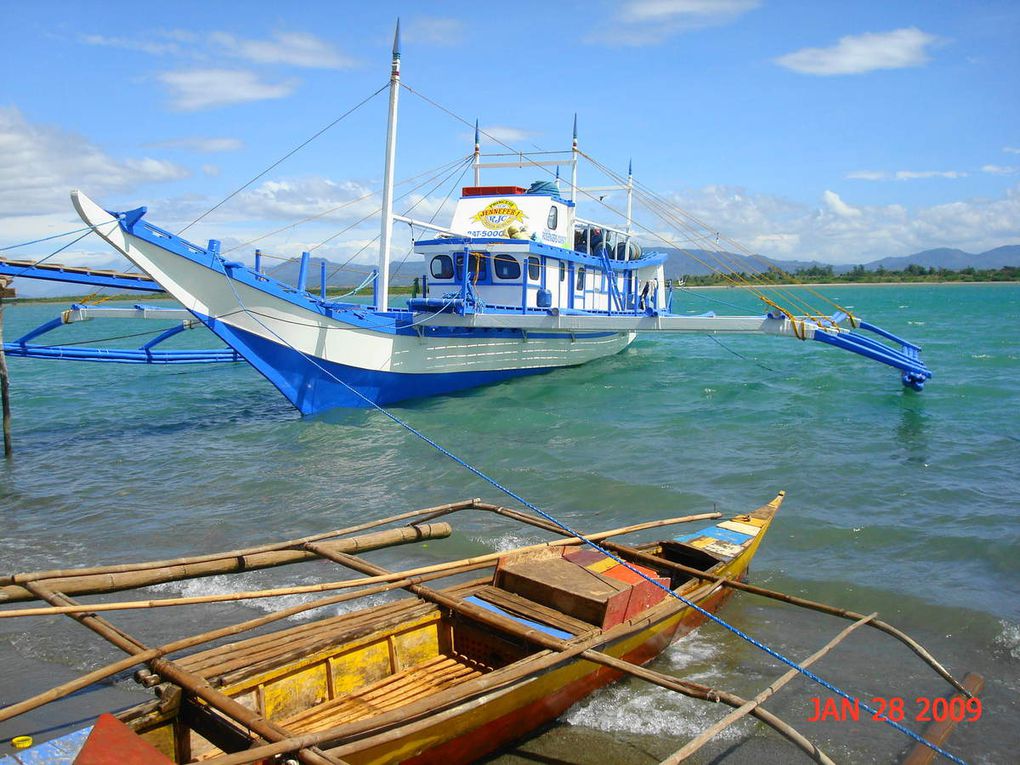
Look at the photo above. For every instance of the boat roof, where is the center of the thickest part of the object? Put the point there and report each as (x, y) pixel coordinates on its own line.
(530, 247)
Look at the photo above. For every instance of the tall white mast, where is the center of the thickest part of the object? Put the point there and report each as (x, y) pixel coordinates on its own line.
(630, 194)
(382, 287)
(478, 158)
(573, 164)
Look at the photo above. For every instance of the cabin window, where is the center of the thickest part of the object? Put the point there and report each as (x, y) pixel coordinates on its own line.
(580, 278)
(554, 216)
(563, 271)
(534, 269)
(442, 267)
(506, 267)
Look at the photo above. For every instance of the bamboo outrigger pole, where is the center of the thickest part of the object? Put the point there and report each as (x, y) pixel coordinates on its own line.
(427, 514)
(144, 577)
(342, 584)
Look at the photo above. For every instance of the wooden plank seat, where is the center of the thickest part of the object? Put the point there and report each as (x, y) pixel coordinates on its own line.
(384, 695)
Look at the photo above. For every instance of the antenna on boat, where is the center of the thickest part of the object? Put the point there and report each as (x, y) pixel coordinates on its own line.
(382, 286)
(478, 157)
(573, 164)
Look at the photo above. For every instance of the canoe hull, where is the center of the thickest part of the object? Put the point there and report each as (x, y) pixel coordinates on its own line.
(550, 698)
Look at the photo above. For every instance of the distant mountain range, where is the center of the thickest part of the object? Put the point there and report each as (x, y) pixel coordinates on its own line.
(680, 263)
(689, 262)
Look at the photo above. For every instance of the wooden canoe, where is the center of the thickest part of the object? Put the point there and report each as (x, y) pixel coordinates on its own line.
(418, 681)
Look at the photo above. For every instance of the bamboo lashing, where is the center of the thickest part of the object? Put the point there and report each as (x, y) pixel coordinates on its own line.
(195, 685)
(343, 584)
(643, 557)
(717, 727)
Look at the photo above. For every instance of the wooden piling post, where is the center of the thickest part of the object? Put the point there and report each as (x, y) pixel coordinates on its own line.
(5, 387)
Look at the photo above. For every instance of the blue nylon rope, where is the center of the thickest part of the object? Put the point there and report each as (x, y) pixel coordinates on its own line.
(510, 493)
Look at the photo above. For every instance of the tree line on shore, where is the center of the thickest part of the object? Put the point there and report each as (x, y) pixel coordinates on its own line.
(860, 275)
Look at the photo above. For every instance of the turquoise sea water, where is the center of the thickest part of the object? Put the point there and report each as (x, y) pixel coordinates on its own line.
(898, 502)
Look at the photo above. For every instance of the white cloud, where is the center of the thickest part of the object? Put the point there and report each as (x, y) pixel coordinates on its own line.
(856, 54)
(904, 175)
(291, 48)
(649, 22)
(504, 134)
(193, 89)
(150, 45)
(302, 197)
(696, 11)
(910, 175)
(839, 232)
(838, 206)
(434, 31)
(39, 164)
(868, 175)
(998, 169)
(300, 49)
(1011, 149)
(200, 144)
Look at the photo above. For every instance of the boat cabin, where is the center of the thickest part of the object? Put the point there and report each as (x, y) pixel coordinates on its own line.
(515, 249)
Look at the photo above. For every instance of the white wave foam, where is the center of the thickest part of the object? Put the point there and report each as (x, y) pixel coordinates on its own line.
(691, 651)
(233, 583)
(648, 710)
(506, 542)
(1009, 638)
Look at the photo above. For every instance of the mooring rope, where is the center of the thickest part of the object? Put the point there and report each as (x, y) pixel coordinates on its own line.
(570, 531)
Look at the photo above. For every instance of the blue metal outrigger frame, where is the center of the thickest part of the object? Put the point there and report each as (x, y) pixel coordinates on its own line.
(146, 354)
(907, 359)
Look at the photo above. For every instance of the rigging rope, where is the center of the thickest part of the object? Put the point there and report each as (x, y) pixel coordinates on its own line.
(55, 252)
(285, 157)
(46, 238)
(525, 158)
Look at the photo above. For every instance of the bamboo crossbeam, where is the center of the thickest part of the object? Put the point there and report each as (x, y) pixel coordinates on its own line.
(717, 727)
(65, 689)
(129, 580)
(343, 584)
(194, 559)
(192, 684)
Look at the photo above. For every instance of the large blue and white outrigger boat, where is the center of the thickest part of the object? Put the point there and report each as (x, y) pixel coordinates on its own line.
(517, 284)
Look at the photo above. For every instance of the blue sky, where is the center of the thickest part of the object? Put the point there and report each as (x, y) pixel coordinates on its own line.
(842, 132)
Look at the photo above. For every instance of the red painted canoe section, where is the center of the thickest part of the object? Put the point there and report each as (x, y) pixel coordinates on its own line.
(111, 742)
